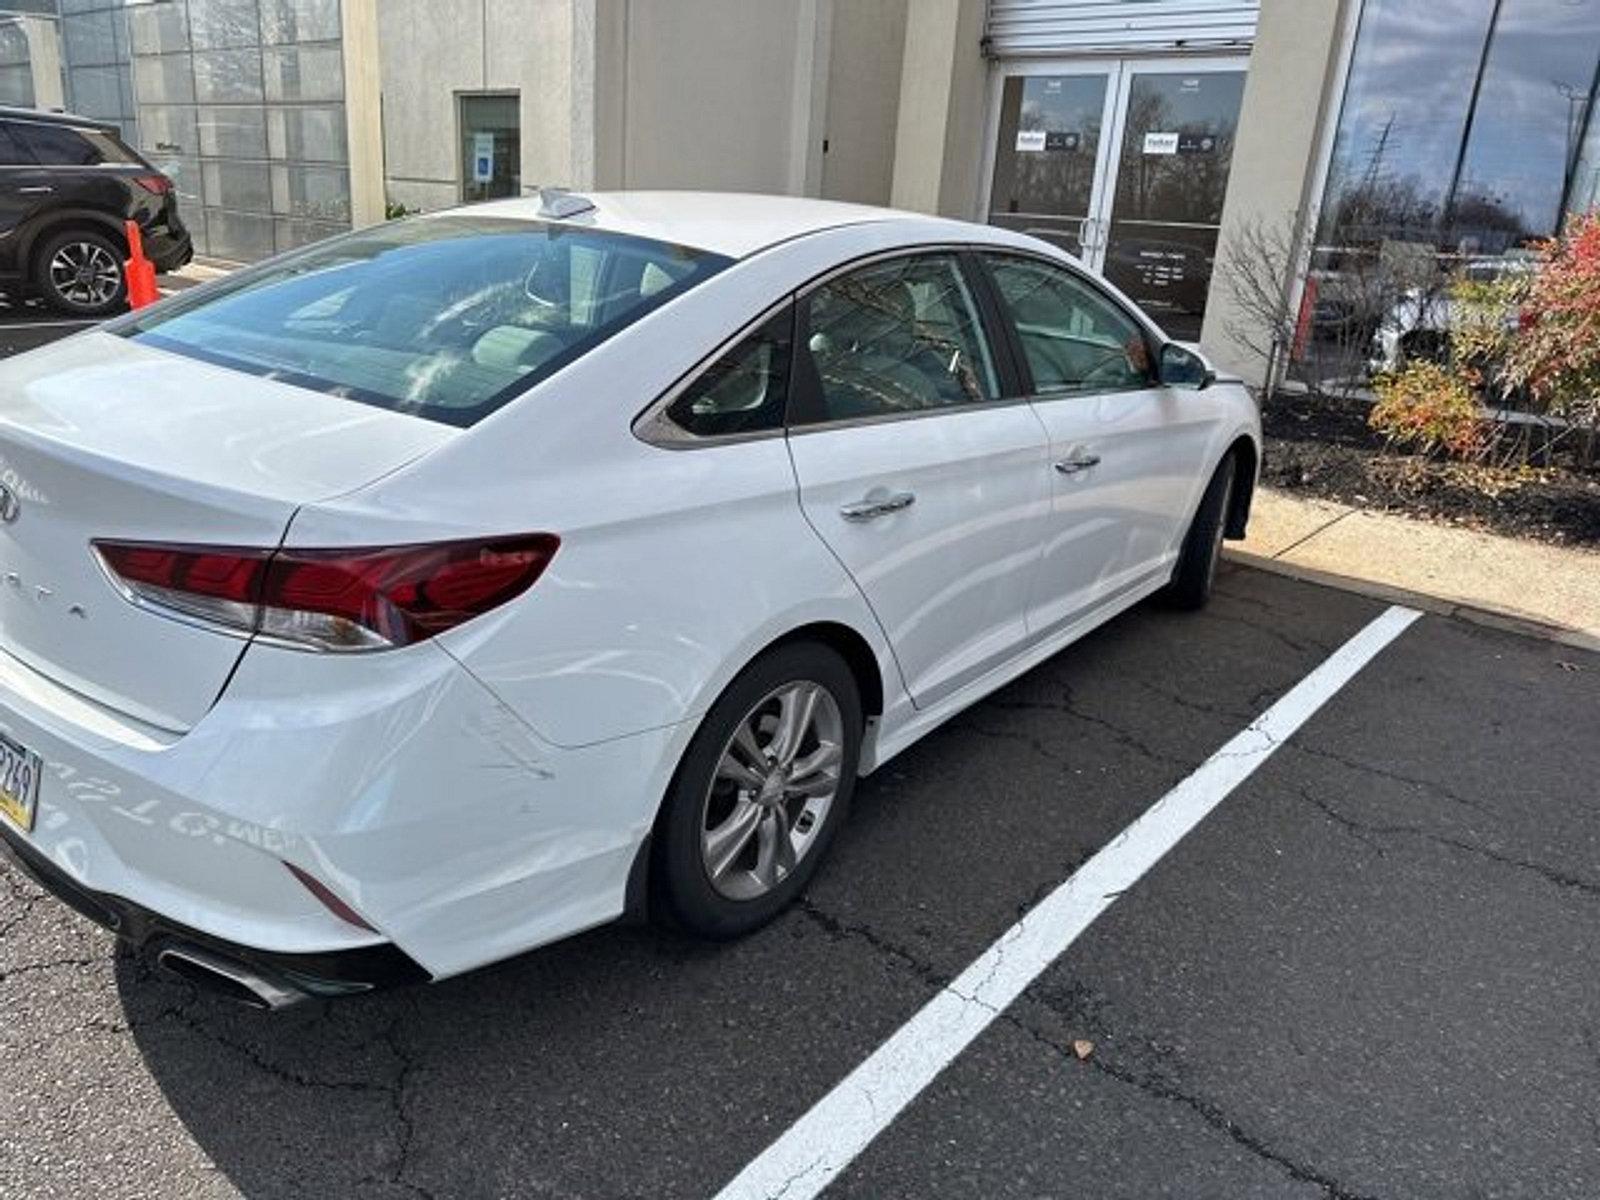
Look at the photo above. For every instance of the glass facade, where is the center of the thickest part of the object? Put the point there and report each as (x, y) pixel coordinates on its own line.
(1462, 122)
(241, 102)
(16, 69)
(1461, 141)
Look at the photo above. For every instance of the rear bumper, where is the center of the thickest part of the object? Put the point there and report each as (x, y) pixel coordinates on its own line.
(396, 780)
(169, 249)
(333, 973)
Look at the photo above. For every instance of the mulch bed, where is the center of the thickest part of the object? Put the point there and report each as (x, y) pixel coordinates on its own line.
(1320, 446)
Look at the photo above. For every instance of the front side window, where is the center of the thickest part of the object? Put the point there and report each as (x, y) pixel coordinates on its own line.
(1074, 339)
(443, 317)
(744, 391)
(893, 338)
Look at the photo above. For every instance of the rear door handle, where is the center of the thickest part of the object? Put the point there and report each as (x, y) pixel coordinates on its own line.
(1080, 462)
(872, 506)
(34, 191)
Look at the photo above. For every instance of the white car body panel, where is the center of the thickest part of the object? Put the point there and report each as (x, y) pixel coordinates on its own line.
(489, 791)
(103, 438)
(946, 577)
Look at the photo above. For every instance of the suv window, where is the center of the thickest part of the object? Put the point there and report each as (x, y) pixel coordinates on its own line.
(1074, 339)
(744, 391)
(446, 317)
(895, 337)
(64, 146)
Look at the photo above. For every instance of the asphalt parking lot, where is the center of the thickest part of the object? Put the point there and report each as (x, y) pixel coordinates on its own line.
(1370, 972)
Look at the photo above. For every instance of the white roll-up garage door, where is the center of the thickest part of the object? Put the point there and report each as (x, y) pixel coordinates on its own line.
(1024, 27)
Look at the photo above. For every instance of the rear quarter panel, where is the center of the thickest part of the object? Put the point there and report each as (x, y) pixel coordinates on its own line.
(677, 566)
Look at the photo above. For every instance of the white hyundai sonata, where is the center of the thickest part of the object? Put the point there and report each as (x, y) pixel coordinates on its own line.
(446, 588)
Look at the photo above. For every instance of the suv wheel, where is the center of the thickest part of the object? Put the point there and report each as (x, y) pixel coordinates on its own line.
(79, 272)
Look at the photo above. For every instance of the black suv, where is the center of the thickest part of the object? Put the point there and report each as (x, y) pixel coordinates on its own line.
(67, 184)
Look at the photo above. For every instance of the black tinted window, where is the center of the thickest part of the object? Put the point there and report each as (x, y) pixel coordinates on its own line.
(444, 317)
(898, 336)
(744, 391)
(62, 146)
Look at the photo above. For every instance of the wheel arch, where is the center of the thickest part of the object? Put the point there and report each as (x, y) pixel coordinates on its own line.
(1246, 463)
(65, 221)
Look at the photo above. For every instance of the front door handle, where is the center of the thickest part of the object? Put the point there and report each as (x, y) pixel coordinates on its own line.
(877, 506)
(1080, 462)
(35, 191)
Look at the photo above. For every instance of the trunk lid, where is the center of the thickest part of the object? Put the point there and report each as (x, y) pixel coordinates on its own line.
(104, 438)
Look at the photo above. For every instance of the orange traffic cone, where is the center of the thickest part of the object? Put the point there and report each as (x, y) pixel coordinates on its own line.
(139, 270)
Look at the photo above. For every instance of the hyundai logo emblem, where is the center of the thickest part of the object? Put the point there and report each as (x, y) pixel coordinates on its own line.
(10, 506)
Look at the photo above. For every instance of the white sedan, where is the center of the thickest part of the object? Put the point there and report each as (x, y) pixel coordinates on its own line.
(446, 588)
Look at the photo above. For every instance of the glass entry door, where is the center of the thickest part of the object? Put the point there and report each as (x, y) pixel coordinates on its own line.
(1124, 164)
(1050, 155)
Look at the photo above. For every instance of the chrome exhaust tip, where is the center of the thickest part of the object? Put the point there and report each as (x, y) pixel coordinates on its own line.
(227, 977)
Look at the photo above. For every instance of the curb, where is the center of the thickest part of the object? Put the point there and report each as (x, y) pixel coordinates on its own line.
(1492, 618)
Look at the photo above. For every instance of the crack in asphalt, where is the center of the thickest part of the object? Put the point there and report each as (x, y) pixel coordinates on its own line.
(1067, 706)
(31, 968)
(1360, 829)
(1208, 1111)
(1393, 776)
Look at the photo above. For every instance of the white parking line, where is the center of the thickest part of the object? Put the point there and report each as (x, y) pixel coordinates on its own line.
(822, 1143)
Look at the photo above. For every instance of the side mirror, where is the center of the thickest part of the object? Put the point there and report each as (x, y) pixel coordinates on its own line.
(1181, 368)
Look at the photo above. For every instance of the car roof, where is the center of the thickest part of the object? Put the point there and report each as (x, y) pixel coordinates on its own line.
(735, 224)
(48, 116)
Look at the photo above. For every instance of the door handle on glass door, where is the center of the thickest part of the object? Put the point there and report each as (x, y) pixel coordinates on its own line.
(1079, 462)
(877, 506)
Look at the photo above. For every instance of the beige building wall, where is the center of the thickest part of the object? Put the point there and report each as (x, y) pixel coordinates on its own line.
(44, 59)
(1290, 96)
(863, 100)
(430, 51)
(722, 94)
(942, 112)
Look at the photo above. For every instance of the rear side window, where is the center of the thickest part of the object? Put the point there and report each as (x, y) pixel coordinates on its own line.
(11, 152)
(745, 390)
(444, 317)
(1075, 340)
(64, 146)
(892, 338)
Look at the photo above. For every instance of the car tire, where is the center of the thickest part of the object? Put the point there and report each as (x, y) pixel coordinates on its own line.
(722, 793)
(80, 272)
(1196, 572)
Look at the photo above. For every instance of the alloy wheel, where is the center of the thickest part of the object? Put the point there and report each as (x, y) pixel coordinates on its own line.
(85, 274)
(776, 779)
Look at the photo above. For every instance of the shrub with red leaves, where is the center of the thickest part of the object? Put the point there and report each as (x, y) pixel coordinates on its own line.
(1555, 357)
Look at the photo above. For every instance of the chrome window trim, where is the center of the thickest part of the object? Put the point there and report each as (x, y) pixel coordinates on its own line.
(655, 428)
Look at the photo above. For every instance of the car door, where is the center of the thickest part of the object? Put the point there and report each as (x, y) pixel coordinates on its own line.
(1124, 451)
(25, 186)
(925, 478)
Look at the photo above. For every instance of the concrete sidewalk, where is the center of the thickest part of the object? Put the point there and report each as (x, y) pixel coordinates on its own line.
(1480, 576)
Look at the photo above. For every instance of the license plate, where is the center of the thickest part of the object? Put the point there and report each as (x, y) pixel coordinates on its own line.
(20, 769)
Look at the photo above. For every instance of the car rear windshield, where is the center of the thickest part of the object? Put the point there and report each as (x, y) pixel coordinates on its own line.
(444, 317)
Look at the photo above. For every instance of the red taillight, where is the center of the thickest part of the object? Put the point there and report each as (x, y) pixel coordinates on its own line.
(356, 599)
(159, 184)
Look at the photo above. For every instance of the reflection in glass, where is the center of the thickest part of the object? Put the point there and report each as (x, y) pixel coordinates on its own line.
(1461, 140)
(1172, 177)
(1044, 163)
